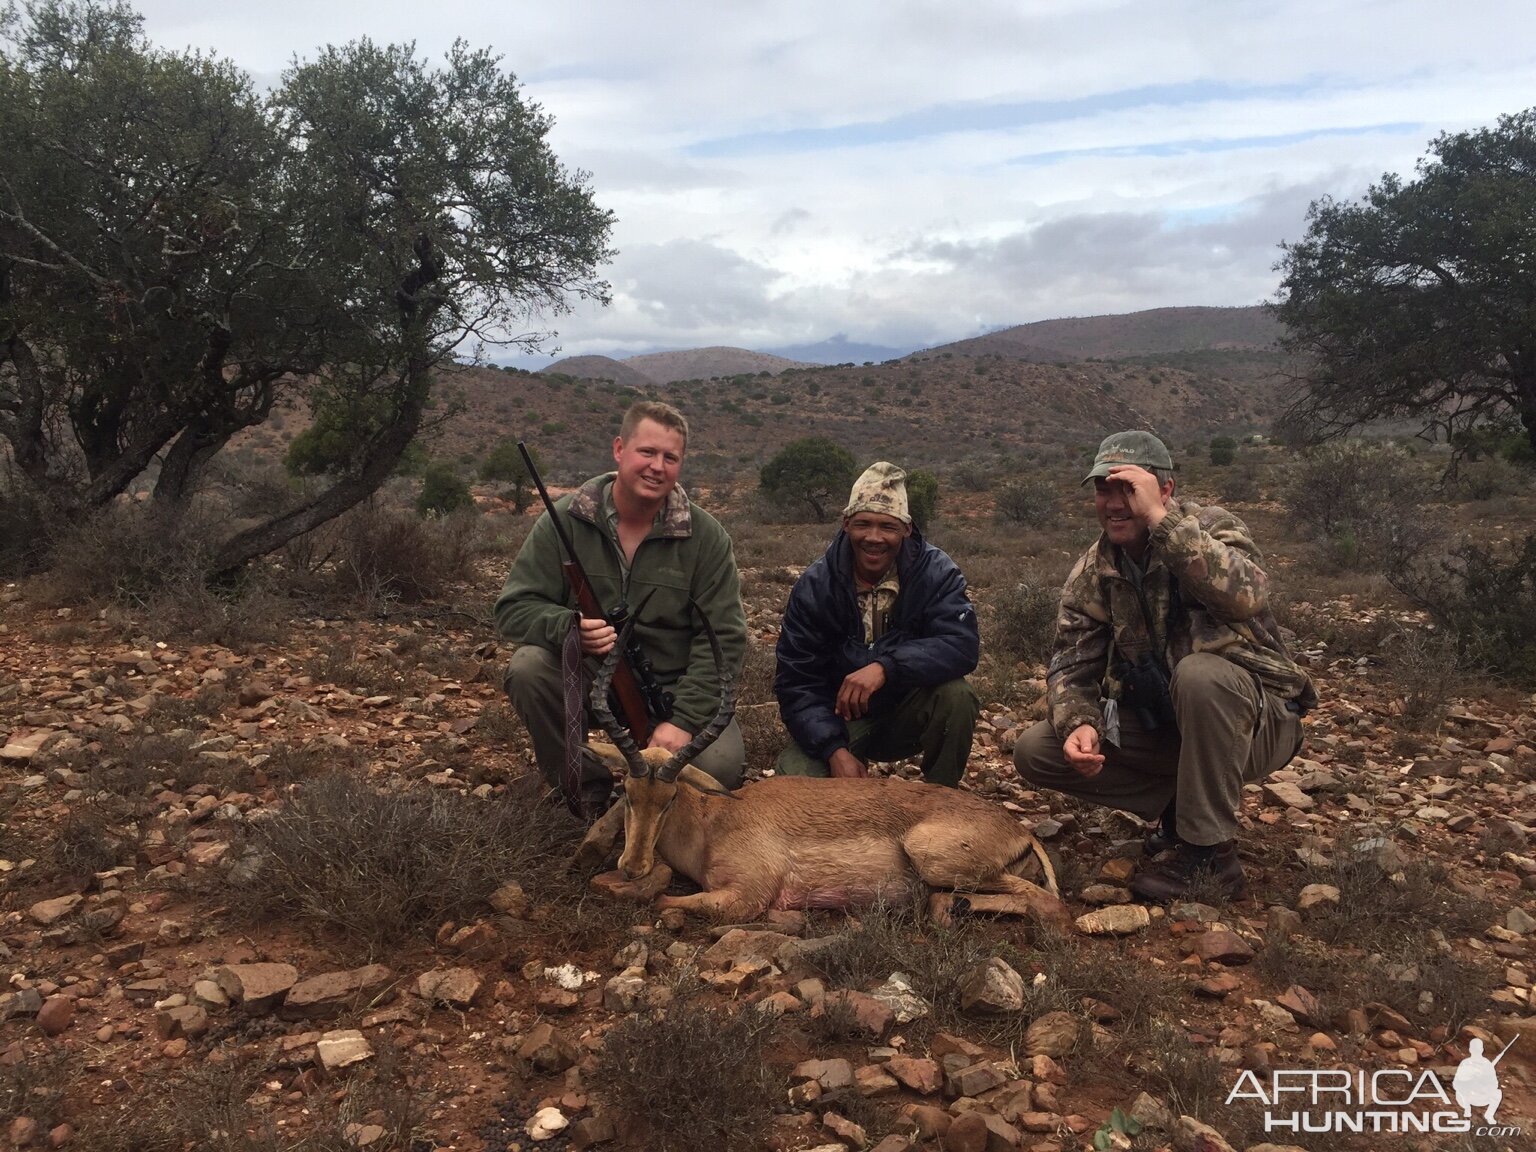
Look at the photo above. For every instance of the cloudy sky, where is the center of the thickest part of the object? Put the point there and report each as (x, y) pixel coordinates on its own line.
(907, 172)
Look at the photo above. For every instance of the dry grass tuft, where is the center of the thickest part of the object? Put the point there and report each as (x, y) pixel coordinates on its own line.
(757, 710)
(383, 865)
(695, 1075)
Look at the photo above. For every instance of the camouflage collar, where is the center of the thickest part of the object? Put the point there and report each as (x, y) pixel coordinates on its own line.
(675, 522)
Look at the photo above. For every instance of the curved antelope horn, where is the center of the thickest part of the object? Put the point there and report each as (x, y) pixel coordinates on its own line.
(684, 755)
(615, 731)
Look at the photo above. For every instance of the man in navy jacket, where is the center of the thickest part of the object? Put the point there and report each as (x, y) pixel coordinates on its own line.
(877, 639)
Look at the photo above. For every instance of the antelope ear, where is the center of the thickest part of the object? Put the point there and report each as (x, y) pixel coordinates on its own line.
(608, 754)
(700, 780)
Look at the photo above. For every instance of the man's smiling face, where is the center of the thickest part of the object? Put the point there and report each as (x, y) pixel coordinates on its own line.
(876, 538)
(1122, 526)
(649, 462)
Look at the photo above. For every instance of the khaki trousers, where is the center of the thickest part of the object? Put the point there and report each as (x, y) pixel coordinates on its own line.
(533, 684)
(938, 722)
(1230, 733)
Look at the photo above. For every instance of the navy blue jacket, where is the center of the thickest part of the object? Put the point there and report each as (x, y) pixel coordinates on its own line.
(931, 639)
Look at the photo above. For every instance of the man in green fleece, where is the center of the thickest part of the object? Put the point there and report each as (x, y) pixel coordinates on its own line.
(642, 543)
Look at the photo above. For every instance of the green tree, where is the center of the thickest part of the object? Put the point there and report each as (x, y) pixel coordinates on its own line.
(1223, 450)
(504, 464)
(812, 475)
(176, 254)
(442, 490)
(1419, 301)
(152, 303)
(922, 497)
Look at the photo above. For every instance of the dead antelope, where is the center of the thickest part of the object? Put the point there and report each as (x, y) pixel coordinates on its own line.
(794, 842)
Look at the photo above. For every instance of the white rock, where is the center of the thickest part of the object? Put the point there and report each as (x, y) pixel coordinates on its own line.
(342, 1048)
(1115, 920)
(545, 1123)
(568, 976)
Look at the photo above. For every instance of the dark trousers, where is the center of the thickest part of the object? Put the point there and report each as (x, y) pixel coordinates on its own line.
(534, 686)
(939, 722)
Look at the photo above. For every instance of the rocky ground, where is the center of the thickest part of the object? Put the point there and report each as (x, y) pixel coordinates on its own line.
(161, 994)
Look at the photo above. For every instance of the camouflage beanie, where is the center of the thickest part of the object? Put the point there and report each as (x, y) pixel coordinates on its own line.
(883, 489)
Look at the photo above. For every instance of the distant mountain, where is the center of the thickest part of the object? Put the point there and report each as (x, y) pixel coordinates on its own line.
(702, 363)
(1155, 332)
(601, 368)
(840, 350)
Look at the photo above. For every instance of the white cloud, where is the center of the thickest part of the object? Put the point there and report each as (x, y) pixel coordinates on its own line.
(910, 170)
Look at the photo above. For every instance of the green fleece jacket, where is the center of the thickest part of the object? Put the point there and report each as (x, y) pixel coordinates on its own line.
(687, 557)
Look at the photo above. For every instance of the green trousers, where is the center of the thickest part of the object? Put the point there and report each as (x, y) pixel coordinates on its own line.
(939, 722)
(1230, 734)
(533, 685)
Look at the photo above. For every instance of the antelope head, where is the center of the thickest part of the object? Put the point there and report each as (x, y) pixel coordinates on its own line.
(655, 773)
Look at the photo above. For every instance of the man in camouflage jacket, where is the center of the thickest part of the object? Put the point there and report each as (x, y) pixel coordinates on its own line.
(642, 542)
(1169, 685)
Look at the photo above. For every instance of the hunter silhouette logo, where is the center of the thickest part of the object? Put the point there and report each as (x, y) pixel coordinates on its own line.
(1476, 1082)
(1398, 1100)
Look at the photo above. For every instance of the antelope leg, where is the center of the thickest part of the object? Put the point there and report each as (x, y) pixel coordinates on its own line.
(721, 904)
(600, 840)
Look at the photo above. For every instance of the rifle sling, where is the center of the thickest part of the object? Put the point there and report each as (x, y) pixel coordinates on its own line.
(575, 716)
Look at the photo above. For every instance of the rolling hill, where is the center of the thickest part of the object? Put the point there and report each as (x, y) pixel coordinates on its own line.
(1186, 373)
(1157, 331)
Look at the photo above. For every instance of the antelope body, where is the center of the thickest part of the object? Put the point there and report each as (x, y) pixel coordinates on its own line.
(796, 842)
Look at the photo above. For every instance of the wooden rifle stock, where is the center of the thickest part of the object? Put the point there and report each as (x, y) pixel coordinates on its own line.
(626, 691)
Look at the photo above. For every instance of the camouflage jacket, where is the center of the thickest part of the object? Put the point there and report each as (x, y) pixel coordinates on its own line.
(687, 557)
(1223, 607)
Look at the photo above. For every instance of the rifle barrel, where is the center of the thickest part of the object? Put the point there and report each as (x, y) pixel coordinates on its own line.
(549, 505)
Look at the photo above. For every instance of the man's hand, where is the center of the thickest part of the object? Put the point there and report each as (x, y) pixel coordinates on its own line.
(669, 736)
(844, 763)
(853, 697)
(597, 636)
(1143, 494)
(1081, 749)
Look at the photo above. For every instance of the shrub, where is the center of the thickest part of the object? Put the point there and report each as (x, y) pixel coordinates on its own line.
(695, 1076)
(1425, 667)
(1025, 620)
(1223, 450)
(154, 564)
(442, 491)
(505, 465)
(812, 475)
(1492, 477)
(1375, 489)
(1242, 484)
(23, 525)
(1030, 501)
(973, 477)
(757, 710)
(922, 497)
(391, 554)
(1485, 597)
(382, 866)
(129, 555)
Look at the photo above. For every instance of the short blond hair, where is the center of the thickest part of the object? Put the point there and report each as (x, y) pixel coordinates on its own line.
(657, 411)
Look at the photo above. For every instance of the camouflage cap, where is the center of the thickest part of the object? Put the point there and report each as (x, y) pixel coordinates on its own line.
(883, 489)
(1140, 448)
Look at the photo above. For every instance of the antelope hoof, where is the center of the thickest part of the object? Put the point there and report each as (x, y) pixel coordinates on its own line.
(642, 891)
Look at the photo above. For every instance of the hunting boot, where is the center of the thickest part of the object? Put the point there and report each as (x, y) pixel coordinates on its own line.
(1194, 869)
(1162, 837)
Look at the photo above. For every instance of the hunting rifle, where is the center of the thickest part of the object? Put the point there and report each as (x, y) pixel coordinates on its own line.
(639, 697)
